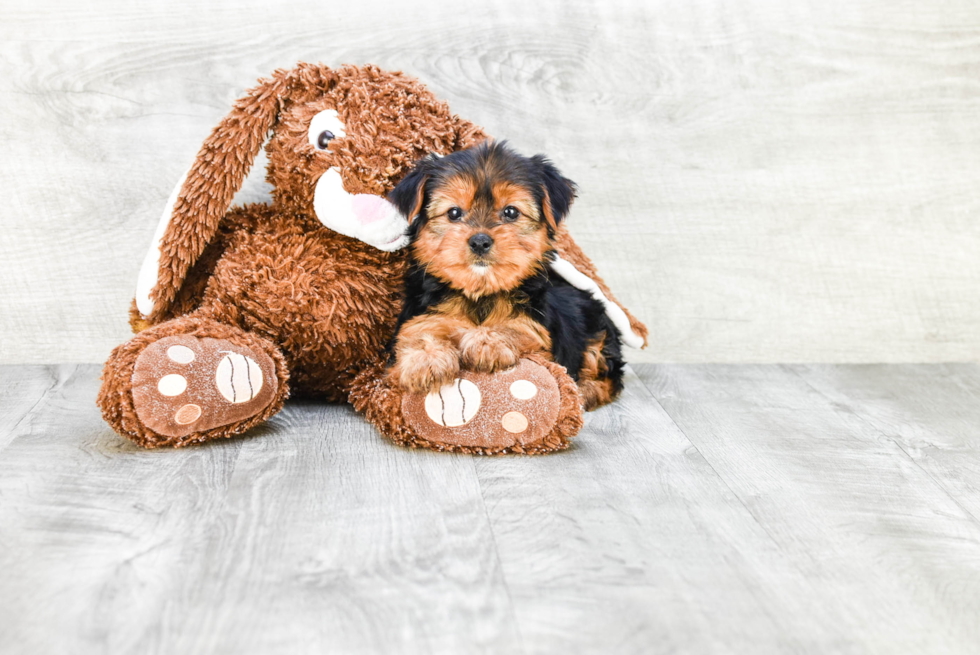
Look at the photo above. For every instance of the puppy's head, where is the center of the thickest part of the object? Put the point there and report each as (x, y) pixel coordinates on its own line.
(483, 219)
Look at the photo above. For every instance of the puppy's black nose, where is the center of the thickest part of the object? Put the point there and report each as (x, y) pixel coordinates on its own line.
(480, 243)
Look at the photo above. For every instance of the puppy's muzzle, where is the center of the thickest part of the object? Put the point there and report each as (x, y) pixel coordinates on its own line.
(481, 243)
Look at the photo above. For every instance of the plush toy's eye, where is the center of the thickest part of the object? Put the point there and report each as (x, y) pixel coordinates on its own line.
(324, 128)
(511, 214)
(454, 214)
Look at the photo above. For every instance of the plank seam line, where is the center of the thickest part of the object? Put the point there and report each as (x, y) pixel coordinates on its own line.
(741, 502)
(55, 385)
(496, 554)
(893, 440)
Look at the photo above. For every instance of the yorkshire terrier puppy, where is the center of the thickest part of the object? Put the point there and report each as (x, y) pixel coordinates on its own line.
(479, 290)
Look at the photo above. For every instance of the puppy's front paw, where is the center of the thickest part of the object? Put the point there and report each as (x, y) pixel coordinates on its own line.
(425, 369)
(486, 351)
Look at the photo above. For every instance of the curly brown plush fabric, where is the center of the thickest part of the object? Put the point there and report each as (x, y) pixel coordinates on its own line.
(116, 394)
(381, 402)
(272, 279)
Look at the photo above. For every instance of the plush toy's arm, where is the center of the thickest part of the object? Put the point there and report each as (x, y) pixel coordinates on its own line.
(572, 257)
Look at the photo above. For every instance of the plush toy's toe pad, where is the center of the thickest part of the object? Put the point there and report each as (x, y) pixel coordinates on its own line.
(183, 384)
(518, 407)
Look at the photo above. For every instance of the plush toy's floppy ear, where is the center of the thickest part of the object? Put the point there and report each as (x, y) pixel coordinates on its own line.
(409, 194)
(467, 134)
(559, 191)
(206, 193)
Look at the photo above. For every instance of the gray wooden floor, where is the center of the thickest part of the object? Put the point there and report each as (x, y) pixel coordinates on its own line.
(715, 509)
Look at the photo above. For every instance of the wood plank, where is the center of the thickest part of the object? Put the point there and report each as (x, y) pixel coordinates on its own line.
(631, 543)
(871, 530)
(802, 509)
(310, 535)
(932, 411)
(22, 388)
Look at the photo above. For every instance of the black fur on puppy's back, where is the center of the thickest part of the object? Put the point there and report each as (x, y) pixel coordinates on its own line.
(573, 319)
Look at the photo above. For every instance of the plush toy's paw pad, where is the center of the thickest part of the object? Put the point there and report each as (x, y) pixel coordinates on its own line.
(515, 409)
(183, 384)
(453, 405)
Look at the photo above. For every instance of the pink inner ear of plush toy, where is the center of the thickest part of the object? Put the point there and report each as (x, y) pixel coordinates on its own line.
(369, 208)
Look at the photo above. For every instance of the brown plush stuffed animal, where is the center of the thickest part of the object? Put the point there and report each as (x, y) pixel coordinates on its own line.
(236, 309)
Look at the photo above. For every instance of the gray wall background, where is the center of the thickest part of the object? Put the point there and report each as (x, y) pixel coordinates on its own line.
(760, 180)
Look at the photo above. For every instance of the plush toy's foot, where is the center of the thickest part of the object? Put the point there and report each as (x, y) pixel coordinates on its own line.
(183, 384)
(191, 380)
(531, 408)
(515, 407)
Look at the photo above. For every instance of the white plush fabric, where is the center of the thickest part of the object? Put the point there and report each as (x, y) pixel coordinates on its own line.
(335, 209)
(616, 314)
(328, 119)
(151, 263)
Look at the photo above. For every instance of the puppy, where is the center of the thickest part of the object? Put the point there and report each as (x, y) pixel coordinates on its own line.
(479, 289)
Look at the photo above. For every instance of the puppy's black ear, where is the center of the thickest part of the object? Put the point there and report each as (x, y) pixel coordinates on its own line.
(559, 191)
(408, 195)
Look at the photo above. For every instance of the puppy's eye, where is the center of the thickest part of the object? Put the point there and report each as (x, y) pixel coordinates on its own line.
(454, 214)
(324, 128)
(511, 214)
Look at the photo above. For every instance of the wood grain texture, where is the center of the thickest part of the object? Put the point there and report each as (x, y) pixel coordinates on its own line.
(311, 535)
(871, 531)
(760, 181)
(632, 543)
(713, 509)
(931, 412)
(24, 387)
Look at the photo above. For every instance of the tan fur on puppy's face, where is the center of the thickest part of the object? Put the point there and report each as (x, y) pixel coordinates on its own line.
(518, 247)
